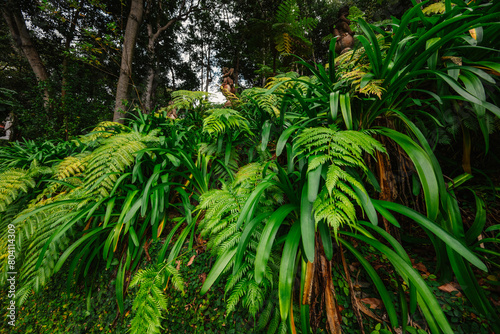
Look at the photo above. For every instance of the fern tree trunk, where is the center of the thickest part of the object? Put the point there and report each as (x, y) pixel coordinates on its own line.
(319, 292)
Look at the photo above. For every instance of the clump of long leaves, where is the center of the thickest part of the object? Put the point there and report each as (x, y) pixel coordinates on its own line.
(384, 82)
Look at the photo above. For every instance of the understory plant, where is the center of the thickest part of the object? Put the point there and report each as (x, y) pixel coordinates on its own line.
(423, 68)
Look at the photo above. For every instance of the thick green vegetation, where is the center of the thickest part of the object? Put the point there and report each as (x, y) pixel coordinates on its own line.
(295, 188)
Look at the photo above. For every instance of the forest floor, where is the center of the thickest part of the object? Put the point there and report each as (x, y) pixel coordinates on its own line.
(59, 310)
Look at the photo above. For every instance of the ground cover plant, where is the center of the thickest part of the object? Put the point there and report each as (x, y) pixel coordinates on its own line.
(297, 189)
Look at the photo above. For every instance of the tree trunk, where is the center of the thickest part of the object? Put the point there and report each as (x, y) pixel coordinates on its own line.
(236, 72)
(147, 96)
(208, 69)
(19, 32)
(131, 31)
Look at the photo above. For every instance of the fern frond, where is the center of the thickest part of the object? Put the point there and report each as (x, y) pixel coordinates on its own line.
(254, 297)
(435, 8)
(236, 294)
(151, 300)
(12, 183)
(103, 130)
(185, 99)
(265, 315)
(112, 158)
(221, 120)
(70, 166)
(269, 103)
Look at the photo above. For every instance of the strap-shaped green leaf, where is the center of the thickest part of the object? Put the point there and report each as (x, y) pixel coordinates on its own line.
(377, 281)
(345, 106)
(245, 239)
(267, 239)
(409, 274)
(439, 232)
(217, 269)
(247, 210)
(284, 138)
(307, 226)
(424, 168)
(326, 239)
(287, 270)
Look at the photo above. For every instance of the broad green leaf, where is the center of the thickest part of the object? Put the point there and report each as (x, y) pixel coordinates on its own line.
(345, 106)
(479, 222)
(334, 104)
(326, 239)
(284, 138)
(424, 168)
(266, 131)
(247, 210)
(217, 269)
(267, 239)
(313, 182)
(432, 60)
(366, 203)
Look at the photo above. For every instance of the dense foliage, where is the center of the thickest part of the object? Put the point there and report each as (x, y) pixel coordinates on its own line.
(288, 186)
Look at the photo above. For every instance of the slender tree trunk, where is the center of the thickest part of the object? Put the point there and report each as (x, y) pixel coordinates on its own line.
(19, 32)
(131, 31)
(147, 96)
(208, 69)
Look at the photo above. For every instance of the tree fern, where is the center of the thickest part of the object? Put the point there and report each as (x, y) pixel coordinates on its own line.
(150, 300)
(290, 28)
